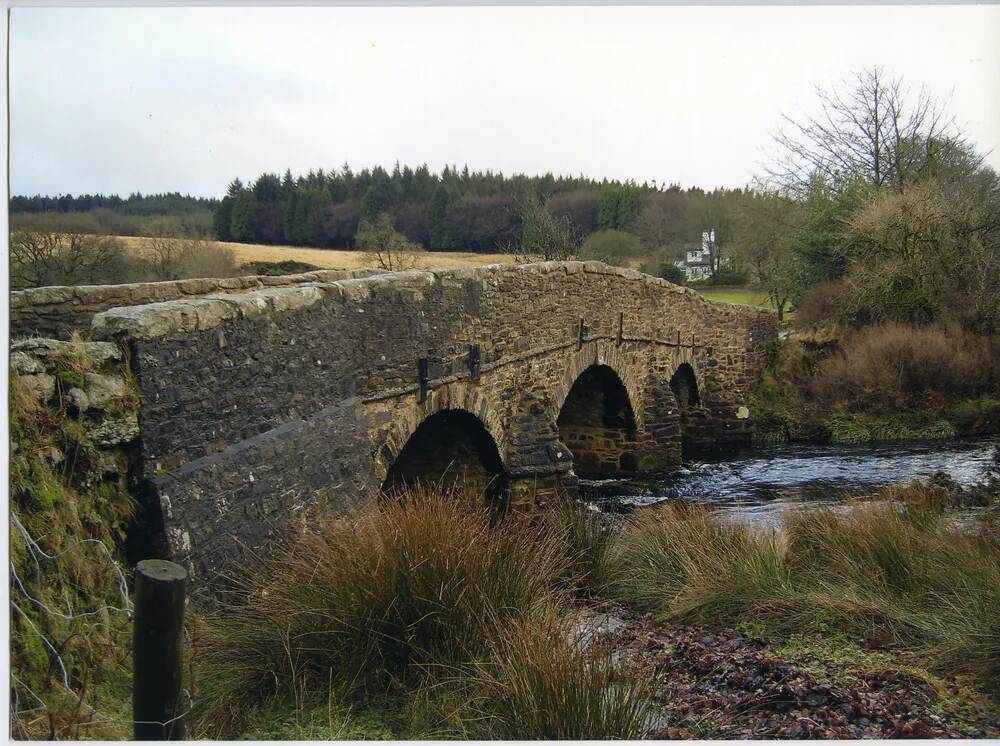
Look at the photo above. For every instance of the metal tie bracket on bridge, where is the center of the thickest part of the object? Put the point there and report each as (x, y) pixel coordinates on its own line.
(621, 327)
(583, 336)
(474, 362)
(422, 373)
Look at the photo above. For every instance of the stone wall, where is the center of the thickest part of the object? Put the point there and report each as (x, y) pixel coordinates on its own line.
(55, 312)
(261, 407)
(92, 405)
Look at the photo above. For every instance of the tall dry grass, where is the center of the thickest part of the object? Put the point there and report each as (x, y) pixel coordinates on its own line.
(893, 568)
(420, 595)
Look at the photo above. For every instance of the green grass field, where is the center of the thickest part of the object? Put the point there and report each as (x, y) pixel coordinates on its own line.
(743, 296)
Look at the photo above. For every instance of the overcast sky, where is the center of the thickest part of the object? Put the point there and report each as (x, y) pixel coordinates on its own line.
(185, 99)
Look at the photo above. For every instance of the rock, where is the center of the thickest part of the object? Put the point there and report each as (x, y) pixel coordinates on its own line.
(50, 351)
(102, 353)
(114, 430)
(101, 390)
(24, 364)
(78, 399)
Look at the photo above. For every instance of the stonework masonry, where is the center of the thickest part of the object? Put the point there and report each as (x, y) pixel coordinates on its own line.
(56, 311)
(263, 407)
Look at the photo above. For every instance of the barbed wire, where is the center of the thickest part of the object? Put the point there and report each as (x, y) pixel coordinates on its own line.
(22, 693)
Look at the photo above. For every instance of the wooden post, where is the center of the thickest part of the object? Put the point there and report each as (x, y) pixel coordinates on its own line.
(157, 708)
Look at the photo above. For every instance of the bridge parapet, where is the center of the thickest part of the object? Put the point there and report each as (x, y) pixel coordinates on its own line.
(261, 407)
(57, 311)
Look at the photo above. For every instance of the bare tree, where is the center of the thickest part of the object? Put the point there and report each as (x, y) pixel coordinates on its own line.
(877, 131)
(42, 257)
(543, 235)
(181, 258)
(384, 246)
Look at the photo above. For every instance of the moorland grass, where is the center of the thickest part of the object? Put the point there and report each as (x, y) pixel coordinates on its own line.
(894, 568)
(426, 600)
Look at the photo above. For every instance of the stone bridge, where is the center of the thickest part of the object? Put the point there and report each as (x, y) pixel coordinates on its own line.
(260, 406)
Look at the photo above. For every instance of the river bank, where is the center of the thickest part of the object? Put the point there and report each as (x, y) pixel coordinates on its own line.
(879, 384)
(424, 620)
(725, 683)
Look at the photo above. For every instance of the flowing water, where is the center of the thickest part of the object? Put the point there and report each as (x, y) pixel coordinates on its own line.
(759, 484)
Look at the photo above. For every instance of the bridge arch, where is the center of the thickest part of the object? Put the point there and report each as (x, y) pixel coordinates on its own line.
(597, 422)
(607, 355)
(684, 385)
(452, 438)
(451, 449)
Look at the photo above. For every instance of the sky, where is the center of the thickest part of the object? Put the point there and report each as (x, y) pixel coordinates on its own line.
(117, 100)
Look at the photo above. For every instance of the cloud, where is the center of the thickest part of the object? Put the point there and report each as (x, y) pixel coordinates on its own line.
(153, 99)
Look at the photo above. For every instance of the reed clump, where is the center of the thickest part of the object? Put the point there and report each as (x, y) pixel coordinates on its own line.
(426, 599)
(893, 568)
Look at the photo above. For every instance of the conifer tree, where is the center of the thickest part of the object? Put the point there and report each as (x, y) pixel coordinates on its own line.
(437, 219)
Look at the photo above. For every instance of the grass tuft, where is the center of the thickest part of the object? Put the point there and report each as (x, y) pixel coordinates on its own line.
(892, 569)
(425, 598)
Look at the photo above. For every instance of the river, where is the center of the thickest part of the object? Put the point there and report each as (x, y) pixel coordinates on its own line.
(759, 484)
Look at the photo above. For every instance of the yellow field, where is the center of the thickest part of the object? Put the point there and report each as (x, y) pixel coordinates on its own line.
(337, 259)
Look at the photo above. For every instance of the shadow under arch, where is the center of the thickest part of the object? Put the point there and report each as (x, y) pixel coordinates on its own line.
(684, 384)
(598, 425)
(451, 450)
(695, 438)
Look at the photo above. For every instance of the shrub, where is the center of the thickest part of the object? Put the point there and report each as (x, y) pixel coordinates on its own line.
(905, 572)
(384, 247)
(680, 560)
(858, 428)
(39, 258)
(825, 302)
(612, 247)
(585, 538)
(894, 367)
(540, 684)
(184, 258)
(979, 415)
(670, 272)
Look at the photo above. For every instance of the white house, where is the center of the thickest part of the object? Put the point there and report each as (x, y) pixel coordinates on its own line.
(697, 263)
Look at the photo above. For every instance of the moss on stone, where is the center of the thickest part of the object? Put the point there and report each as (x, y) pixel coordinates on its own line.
(70, 379)
(66, 564)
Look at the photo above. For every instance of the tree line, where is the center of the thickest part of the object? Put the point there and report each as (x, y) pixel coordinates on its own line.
(169, 203)
(454, 210)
